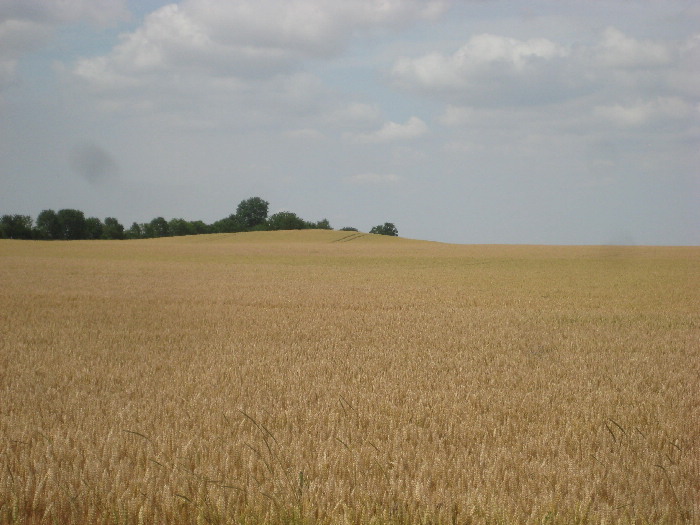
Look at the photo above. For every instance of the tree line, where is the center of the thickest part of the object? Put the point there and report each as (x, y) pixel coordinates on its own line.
(69, 224)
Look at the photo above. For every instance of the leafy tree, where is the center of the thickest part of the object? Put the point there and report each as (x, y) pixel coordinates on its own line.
(323, 224)
(385, 229)
(147, 230)
(180, 227)
(94, 229)
(159, 227)
(135, 231)
(200, 227)
(16, 227)
(251, 215)
(348, 229)
(262, 227)
(252, 212)
(113, 229)
(285, 220)
(73, 224)
(48, 226)
(230, 224)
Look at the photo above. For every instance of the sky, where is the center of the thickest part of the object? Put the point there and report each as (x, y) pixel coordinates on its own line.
(472, 121)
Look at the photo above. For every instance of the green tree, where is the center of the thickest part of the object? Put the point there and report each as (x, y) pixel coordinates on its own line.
(387, 228)
(16, 227)
(147, 230)
(135, 231)
(73, 224)
(179, 227)
(323, 224)
(94, 229)
(201, 227)
(113, 229)
(159, 227)
(286, 220)
(48, 226)
(230, 224)
(252, 212)
(348, 229)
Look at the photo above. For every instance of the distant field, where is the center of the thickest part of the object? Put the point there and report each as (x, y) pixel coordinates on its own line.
(324, 377)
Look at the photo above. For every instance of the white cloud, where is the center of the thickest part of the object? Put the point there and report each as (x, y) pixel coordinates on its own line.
(392, 131)
(617, 50)
(643, 112)
(491, 70)
(488, 68)
(246, 38)
(246, 56)
(374, 178)
(168, 39)
(480, 53)
(307, 27)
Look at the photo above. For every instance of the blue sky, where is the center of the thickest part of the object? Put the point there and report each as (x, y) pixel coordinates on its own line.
(460, 121)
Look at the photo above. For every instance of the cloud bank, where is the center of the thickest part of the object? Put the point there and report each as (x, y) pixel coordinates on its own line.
(247, 38)
(494, 70)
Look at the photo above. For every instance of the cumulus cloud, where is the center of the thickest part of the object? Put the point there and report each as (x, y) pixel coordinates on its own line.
(392, 132)
(479, 53)
(374, 178)
(489, 69)
(302, 27)
(617, 50)
(493, 70)
(247, 38)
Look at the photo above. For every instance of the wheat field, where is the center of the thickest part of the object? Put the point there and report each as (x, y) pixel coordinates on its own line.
(320, 377)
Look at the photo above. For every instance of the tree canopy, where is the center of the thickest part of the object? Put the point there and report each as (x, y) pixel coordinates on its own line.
(70, 224)
(387, 228)
(112, 229)
(73, 224)
(16, 227)
(48, 225)
(286, 220)
(252, 212)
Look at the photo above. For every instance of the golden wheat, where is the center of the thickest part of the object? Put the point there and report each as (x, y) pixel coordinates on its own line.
(323, 377)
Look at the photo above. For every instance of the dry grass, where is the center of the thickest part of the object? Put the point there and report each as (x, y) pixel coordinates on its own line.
(310, 378)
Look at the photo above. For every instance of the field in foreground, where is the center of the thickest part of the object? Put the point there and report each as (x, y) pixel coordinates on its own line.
(326, 377)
